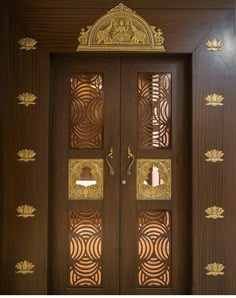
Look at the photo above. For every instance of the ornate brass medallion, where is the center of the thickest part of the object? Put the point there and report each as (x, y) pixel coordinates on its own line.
(153, 179)
(85, 179)
(121, 29)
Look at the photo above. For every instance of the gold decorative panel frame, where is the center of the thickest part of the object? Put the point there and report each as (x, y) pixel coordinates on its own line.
(94, 190)
(121, 29)
(157, 192)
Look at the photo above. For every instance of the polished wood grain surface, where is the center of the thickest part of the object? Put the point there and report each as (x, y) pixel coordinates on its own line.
(56, 26)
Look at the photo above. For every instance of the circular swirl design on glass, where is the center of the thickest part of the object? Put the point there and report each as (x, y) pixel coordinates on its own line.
(85, 249)
(154, 249)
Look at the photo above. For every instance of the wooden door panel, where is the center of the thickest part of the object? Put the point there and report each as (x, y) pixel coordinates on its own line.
(179, 154)
(100, 217)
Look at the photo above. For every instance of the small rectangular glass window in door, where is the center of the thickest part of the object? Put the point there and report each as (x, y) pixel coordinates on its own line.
(154, 110)
(86, 110)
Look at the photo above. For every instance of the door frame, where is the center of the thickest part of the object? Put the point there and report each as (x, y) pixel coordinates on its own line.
(186, 31)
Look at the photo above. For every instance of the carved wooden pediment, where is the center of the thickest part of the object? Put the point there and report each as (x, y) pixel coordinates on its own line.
(121, 29)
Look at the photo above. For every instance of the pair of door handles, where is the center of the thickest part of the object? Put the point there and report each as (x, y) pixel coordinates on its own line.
(110, 156)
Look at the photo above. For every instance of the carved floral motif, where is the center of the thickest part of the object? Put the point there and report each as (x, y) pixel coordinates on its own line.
(121, 27)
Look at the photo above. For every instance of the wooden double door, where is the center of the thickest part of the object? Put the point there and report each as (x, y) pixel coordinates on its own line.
(120, 188)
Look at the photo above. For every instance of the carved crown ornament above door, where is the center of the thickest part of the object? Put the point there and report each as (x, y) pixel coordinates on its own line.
(121, 29)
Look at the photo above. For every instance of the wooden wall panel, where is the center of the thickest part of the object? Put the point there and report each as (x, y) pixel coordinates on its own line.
(213, 127)
(56, 26)
(183, 29)
(176, 4)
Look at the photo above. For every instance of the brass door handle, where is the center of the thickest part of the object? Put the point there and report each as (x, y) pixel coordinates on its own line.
(110, 156)
(132, 157)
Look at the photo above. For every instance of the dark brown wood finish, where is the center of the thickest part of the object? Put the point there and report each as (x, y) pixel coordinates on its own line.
(107, 4)
(179, 155)
(213, 128)
(62, 69)
(56, 26)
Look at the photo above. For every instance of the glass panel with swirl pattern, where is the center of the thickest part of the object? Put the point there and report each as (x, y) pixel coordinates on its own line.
(154, 256)
(85, 249)
(86, 121)
(154, 110)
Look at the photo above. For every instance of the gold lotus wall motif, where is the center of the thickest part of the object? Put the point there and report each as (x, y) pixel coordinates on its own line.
(214, 45)
(24, 267)
(214, 155)
(150, 170)
(27, 43)
(85, 179)
(215, 269)
(214, 100)
(214, 212)
(26, 99)
(121, 29)
(26, 155)
(25, 211)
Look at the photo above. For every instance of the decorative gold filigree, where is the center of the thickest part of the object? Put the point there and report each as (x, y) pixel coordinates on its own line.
(214, 212)
(27, 44)
(26, 99)
(214, 45)
(215, 269)
(26, 155)
(79, 188)
(25, 211)
(214, 100)
(121, 29)
(24, 267)
(159, 191)
(214, 155)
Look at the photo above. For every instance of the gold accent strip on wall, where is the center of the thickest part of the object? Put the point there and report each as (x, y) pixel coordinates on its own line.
(24, 267)
(214, 155)
(214, 212)
(27, 44)
(214, 45)
(26, 155)
(26, 99)
(214, 100)
(25, 211)
(215, 269)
